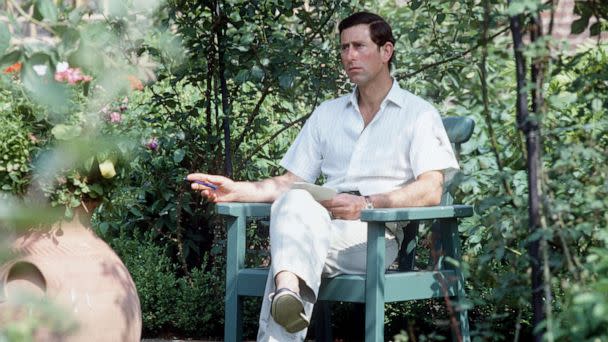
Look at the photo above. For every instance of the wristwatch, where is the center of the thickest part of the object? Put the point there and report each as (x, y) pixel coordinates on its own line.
(368, 202)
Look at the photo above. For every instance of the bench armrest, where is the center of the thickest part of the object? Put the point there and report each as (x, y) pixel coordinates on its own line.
(416, 213)
(237, 209)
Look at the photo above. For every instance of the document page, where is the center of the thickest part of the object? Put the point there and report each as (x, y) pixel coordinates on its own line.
(319, 193)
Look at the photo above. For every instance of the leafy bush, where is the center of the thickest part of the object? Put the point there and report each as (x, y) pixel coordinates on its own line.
(172, 304)
(16, 149)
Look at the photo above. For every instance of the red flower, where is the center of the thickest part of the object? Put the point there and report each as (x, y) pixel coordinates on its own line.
(15, 68)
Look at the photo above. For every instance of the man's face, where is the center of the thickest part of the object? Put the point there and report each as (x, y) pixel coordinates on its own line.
(362, 59)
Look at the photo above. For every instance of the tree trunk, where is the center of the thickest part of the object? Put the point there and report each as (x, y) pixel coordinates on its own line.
(529, 126)
(224, 89)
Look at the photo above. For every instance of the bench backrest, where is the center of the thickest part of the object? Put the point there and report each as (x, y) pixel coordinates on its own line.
(459, 130)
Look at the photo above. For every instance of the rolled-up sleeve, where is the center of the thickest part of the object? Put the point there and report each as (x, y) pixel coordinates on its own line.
(431, 149)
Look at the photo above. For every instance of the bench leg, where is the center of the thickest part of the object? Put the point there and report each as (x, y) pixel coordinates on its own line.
(233, 319)
(235, 261)
(451, 245)
(374, 283)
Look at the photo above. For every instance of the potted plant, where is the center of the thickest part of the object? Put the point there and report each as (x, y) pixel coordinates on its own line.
(64, 95)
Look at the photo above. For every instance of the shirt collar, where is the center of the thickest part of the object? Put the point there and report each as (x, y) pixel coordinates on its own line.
(392, 96)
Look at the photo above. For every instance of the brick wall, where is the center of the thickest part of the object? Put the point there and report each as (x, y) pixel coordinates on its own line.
(562, 21)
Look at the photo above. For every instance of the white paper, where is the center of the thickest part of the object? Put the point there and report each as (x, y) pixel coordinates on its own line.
(319, 193)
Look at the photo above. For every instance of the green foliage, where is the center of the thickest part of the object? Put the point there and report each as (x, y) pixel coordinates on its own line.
(34, 318)
(586, 10)
(60, 84)
(16, 148)
(577, 193)
(574, 180)
(172, 303)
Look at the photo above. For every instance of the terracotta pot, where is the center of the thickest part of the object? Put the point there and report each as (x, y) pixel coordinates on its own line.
(81, 274)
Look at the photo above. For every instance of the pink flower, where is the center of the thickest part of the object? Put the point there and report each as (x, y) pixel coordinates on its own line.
(32, 138)
(115, 117)
(71, 75)
(136, 84)
(152, 144)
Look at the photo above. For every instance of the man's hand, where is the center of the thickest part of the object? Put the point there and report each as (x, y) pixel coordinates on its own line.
(225, 188)
(345, 206)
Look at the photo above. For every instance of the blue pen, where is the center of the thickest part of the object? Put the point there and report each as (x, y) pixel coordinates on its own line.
(209, 185)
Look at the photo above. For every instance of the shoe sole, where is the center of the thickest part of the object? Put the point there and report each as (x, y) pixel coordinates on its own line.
(287, 311)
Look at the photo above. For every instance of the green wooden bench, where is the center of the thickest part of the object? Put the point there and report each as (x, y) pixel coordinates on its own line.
(376, 287)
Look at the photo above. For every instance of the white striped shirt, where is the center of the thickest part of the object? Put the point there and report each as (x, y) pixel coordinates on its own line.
(405, 139)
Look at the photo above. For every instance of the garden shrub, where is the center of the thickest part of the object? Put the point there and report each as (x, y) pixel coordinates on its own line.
(172, 304)
(155, 279)
(16, 149)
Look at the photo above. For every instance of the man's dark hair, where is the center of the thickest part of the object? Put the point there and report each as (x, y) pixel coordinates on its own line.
(379, 30)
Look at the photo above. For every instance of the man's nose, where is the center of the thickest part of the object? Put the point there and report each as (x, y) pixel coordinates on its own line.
(349, 54)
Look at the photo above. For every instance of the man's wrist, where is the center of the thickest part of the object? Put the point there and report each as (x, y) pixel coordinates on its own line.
(368, 204)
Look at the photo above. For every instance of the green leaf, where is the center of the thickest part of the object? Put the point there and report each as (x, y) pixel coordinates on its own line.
(596, 105)
(578, 26)
(562, 99)
(516, 8)
(10, 58)
(103, 227)
(5, 37)
(415, 4)
(75, 16)
(440, 18)
(286, 81)
(66, 132)
(178, 155)
(135, 211)
(242, 76)
(595, 29)
(96, 188)
(70, 40)
(257, 72)
(47, 9)
(287, 4)
(69, 213)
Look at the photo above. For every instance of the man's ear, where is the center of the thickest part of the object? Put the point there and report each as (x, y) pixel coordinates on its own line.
(387, 51)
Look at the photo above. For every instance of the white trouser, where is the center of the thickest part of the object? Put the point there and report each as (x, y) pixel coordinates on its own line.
(305, 241)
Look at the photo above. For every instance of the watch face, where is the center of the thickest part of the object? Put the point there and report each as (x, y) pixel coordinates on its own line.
(368, 203)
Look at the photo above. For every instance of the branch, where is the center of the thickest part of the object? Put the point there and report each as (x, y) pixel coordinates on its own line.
(226, 110)
(521, 98)
(551, 21)
(486, 102)
(251, 118)
(276, 134)
(447, 60)
(30, 18)
(530, 128)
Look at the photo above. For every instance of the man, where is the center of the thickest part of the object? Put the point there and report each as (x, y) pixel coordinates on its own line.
(379, 147)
